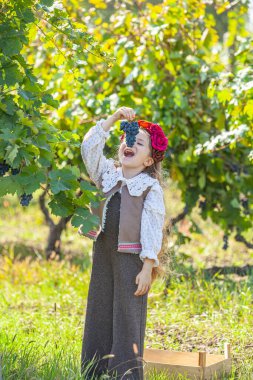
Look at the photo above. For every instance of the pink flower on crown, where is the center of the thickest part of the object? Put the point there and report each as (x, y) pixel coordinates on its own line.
(158, 139)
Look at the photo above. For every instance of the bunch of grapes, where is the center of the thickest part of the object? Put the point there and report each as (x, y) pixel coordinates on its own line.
(4, 168)
(25, 199)
(15, 171)
(235, 168)
(245, 205)
(131, 128)
(202, 205)
(225, 240)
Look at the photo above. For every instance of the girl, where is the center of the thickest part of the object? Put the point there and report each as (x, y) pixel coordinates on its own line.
(126, 245)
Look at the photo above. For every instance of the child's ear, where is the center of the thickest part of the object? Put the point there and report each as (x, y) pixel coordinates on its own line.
(149, 161)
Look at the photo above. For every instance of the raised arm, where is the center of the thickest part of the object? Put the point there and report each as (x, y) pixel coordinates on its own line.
(92, 151)
(94, 141)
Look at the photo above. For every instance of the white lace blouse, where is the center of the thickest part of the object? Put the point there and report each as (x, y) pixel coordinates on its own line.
(153, 214)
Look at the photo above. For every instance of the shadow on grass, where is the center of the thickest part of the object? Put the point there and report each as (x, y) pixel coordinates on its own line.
(183, 271)
(20, 251)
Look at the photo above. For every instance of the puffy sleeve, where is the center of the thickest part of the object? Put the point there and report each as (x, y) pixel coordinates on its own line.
(92, 151)
(153, 216)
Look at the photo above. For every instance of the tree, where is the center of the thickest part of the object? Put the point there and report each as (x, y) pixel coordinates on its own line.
(31, 147)
(171, 67)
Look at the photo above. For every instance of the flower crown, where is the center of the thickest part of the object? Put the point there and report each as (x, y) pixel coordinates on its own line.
(159, 141)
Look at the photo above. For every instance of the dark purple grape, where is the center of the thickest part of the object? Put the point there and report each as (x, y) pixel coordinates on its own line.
(202, 205)
(225, 240)
(4, 168)
(25, 199)
(15, 171)
(131, 129)
(234, 168)
(245, 205)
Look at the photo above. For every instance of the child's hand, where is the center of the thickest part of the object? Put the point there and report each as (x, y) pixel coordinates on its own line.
(124, 113)
(143, 279)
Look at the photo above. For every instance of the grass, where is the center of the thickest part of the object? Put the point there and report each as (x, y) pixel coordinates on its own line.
(42, 303)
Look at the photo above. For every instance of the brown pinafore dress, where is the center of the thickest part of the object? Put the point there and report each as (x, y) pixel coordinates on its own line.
(115, 319)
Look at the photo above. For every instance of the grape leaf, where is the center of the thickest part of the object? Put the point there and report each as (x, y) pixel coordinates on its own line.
(61, 205)
(48, 3)
(30, 179)
(10, 46)
(12, 151)
(9, 185)
(62, 179)
(12, 75)
(47, 98)
(83, 217)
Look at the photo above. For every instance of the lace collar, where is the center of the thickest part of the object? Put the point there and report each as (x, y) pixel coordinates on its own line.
(136, 185)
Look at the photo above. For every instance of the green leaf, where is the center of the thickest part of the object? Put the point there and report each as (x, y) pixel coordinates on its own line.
(30, 179)
(225, 95)
(248, 109)
(46, 158)
(62, 179)
(23, 154)
(195, 227)
(48, 99)
(61, 205)
(10, 46)
(86, 186)
(75, 170)
(235, 203)
(177, 97)
(12, 151)
(41, 141)
(202, 179)
(27, 15)
(48, 3)
(8, 105)
(27, 95)
(83, 217)
(6, 134)
(9, 185)
(12, 75)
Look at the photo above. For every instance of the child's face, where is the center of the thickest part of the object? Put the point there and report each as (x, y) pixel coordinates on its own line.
(141, 149)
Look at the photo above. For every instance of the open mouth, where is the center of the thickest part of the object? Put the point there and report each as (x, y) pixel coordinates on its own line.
(128, 153)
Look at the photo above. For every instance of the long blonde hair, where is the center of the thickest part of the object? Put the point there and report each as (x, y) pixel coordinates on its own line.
(157, 171)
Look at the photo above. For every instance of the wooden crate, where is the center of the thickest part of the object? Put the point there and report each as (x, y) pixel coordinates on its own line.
(194, 365)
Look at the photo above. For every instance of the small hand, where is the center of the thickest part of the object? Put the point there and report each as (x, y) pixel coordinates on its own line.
(143, 279)
(124, 113)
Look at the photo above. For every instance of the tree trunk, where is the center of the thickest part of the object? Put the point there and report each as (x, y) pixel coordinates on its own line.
(53, 247)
